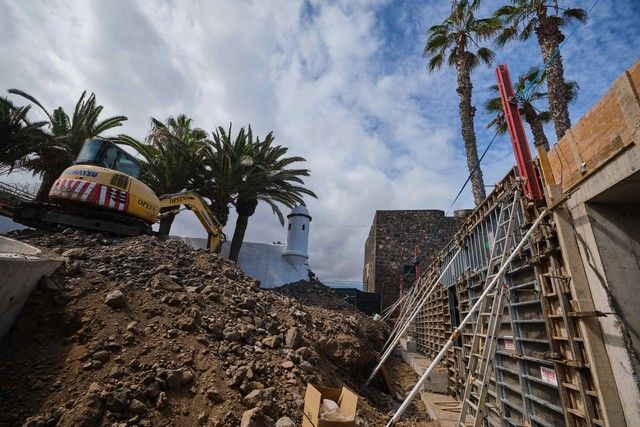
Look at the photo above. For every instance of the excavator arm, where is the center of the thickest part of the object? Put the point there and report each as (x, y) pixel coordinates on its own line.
(170, 205)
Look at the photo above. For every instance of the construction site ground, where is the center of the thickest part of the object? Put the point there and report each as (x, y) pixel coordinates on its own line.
(141, 331)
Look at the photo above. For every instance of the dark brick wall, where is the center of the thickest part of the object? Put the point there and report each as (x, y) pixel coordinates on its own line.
(391, 242)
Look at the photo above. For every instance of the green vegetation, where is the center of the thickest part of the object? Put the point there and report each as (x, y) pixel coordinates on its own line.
(63, 138)
(534, 117)
(267, 178)
(523, 18)
(19, 138)
(172, 156)
(176, 156)
(456, 41)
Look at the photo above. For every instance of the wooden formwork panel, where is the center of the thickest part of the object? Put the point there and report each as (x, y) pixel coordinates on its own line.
(601, 134)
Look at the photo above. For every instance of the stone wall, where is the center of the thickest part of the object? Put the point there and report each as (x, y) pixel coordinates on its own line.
(391, 243)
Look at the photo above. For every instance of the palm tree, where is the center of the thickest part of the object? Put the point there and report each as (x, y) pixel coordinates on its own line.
(66, 137)
(456, 41)
(267, 179)
(526, 104)
(520, 20)
(173, 154)
(223, 169)
(18, 136)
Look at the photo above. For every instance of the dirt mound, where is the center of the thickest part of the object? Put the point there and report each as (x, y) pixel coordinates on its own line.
(140, 331)
(317, 294)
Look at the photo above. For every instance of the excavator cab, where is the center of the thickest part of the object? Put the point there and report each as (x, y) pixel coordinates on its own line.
(106, 154)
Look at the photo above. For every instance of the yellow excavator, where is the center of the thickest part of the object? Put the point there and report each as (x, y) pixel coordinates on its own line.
(102, 191)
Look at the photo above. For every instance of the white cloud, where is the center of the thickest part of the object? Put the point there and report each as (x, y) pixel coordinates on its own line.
(341, 83)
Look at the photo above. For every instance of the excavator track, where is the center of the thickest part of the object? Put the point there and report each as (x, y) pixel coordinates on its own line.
(53, 216)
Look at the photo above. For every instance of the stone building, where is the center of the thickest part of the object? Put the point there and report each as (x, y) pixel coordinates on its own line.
(389, 249)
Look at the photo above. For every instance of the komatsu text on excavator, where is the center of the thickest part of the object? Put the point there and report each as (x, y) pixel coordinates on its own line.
(102, 191)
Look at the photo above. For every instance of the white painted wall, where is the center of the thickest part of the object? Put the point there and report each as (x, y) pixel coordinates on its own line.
(272, 264)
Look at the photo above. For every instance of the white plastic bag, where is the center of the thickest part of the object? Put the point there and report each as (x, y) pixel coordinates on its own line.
(330, 411)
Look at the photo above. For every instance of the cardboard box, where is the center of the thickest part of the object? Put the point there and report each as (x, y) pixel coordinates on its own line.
(345, 398)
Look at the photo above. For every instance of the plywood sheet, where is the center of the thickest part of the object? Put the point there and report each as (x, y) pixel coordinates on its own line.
(601, 134)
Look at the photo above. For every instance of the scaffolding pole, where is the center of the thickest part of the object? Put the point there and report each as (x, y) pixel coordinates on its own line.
(414, 297)
(430, 288)
(458, 331)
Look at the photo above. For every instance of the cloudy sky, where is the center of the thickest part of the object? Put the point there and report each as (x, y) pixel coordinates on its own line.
(342, 83)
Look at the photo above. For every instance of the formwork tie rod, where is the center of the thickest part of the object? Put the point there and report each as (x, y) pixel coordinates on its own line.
(458, 331)
(432, 286)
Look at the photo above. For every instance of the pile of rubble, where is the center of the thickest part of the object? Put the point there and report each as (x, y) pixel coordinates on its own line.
(141, 331)
(316, 294)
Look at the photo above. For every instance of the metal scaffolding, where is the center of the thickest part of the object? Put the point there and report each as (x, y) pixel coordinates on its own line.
(541, 376)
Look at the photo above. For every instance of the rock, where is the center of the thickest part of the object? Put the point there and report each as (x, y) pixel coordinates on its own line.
(255, 418)
(161, 402)
(186, 377)
(186, 337)
(86, 413)
(102, 356)
(306, 366)
(293, 339)
(186, 323)
(36, 421)
(202, 418)
(174, 379)
(132, 327)
(164, 282)
(115, 299)
(214, 396)
(231, 334)
(117, 372)
(272, 341)
(238, 377)
(259, 397)
(253, 399)
(75, 253)
(138, 407)
(285, 422)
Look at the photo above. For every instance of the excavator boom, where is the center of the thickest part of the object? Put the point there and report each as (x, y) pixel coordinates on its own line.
(170, 205)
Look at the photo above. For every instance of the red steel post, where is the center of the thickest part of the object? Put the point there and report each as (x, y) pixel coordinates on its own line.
(531, 186)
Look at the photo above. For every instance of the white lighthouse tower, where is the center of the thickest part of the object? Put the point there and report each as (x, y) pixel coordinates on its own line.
(297, 236)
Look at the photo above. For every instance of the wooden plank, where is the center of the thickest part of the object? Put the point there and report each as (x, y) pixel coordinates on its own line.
(629, 103)
(612, 124)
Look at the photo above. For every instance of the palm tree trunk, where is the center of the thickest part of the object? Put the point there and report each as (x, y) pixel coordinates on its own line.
(165, 225)
(245, 208)
(549, 38)
(467, 112)
(43, 191)
(537, 129)
(238, 237)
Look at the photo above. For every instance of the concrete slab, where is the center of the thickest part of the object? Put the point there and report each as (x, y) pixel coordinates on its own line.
(437, 382)
(443, 408)
(21, 268)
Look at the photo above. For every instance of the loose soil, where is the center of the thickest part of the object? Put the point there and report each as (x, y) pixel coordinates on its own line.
(140, 331)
